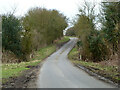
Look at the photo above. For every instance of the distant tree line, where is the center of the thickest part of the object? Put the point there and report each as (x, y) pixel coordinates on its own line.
(98, 45)
(70, 32)
(38, 28)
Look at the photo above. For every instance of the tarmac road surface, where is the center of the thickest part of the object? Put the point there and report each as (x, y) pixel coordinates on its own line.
(58, 72)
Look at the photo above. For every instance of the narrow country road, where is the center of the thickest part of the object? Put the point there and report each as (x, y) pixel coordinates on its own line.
(58, 72)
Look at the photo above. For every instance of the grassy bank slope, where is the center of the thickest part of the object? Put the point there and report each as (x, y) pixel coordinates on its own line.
(16, 69)
(110, 72)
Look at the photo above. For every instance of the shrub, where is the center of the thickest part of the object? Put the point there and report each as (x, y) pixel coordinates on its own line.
(11, 28)
(44, 26)
(97, 47)
(70, 32)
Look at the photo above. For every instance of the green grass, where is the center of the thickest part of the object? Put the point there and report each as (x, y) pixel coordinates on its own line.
(73, 56)
(65, 39)
(112, 71)
(44, 52)
(16, 69)
(70, 36)
(9, 70)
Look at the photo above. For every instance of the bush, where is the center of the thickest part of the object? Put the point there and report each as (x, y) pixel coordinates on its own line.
(11, 28)
(43, 26)
(38, 28)
(97, 47)
(70, 32)
(111, 20)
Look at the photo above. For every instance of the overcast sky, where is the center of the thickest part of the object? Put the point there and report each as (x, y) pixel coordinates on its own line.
(68, 7)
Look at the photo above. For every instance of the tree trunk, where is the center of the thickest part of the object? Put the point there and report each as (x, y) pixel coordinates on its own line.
(113, 49)
(79, 55)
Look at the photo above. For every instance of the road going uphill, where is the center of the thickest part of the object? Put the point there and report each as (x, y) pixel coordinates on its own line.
(58, 72)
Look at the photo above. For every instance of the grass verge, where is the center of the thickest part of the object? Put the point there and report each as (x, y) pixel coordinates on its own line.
(16, 69)
(110, 72)
(64, 39)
